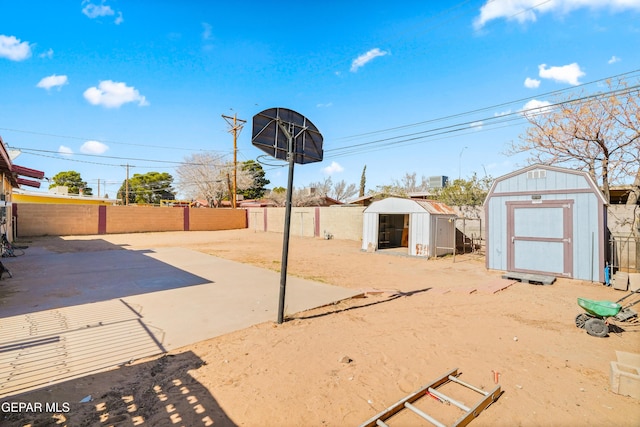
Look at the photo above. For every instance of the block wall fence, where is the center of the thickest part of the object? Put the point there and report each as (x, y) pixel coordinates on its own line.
(39, 219)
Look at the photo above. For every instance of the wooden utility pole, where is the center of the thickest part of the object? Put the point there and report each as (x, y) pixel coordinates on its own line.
(126, 195)
(235, 127)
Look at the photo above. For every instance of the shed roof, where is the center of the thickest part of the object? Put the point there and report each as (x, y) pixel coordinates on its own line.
(589, 182)
(398, 205)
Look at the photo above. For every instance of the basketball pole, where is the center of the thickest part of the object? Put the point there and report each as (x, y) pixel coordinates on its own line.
(287, 227)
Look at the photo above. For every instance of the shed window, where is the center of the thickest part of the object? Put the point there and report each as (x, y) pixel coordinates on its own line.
(537, 174)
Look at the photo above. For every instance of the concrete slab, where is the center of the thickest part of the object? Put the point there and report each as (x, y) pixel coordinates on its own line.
(95, 310)
(534, 279)
(237, 296)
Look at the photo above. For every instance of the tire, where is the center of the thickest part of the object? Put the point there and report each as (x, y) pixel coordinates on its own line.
(596, 327)
(581, 319)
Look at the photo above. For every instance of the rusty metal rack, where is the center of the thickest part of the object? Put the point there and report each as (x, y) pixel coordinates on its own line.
(470, 413)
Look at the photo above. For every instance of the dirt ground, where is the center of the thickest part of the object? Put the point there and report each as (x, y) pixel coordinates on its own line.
(340, 365)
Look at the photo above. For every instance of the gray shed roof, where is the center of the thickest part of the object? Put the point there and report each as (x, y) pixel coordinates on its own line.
(566, 186)
(397, 205)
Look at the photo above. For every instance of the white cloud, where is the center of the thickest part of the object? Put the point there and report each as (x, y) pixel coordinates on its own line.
(361, 60)
(531, 83)
(12, 48)
(47, 54)
(564, 74)
(528, 10)
(613, 60)
(477, 125)
(535, 107)
(95, 11)
(53, 81)
(93, 147)
(65, 151)
(334, 167)
(207, 33)
(112, 94)
(502, 113)
(327, 105)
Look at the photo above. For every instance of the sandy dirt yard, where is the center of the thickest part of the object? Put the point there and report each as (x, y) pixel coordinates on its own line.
(340, 365)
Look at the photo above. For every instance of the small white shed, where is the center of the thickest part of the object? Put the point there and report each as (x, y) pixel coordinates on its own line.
(425, 227)
(547, 220)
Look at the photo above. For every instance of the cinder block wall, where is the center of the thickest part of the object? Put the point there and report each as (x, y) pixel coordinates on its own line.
(342, 223)
(38, 219)
(302, 221)
(136, 219)
(217, 219)
(620, 221)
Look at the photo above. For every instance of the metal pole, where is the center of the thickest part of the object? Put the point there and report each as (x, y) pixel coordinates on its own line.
(287, 228)
(235, 162)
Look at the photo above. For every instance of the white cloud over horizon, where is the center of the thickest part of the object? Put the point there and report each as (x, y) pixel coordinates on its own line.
(534, 107)
(112, 94)
(93, 11)
(334, 167)
(207, 31)
(53, 81)
(564, 74)
(365, 58)
(502, 113)
(93, 147)
(64, 150)
(531, 83)
(528, 10)
(14, 49)
(47, 54)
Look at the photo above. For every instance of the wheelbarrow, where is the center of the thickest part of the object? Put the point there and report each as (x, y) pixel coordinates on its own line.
(596, 319)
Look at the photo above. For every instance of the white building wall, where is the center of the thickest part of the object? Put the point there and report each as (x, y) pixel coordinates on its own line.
(419, 235)
(370, 231)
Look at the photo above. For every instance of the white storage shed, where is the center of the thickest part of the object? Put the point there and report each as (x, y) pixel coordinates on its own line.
(546, 220)
(425, 227)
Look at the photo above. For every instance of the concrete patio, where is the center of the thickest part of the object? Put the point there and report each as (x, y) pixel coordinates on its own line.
(69, 314)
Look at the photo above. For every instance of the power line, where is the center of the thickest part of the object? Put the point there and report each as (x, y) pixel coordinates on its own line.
(429, 133)
(106, 140)
(492, 107)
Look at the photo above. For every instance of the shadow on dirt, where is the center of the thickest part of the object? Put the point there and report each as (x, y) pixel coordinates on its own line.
(160, 392)
(342, 310)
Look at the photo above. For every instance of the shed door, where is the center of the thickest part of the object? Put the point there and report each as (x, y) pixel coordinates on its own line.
(540, 237)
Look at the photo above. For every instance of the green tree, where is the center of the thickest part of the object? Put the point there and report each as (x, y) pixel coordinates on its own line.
(72, 180)
(257, 189)
(463, 192)
(363, 181)
(150, 188)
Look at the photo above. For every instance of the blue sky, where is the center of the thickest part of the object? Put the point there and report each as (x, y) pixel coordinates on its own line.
(93, 85)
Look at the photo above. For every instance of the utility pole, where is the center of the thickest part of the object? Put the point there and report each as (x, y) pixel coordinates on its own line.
(126, 194)
(236, 126)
